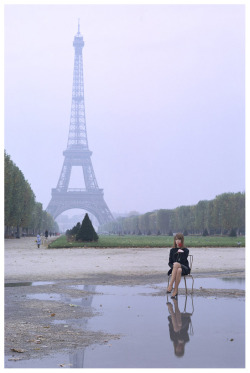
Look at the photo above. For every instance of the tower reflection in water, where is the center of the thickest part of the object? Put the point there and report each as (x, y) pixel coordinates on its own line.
(77, 358)
(180, 325)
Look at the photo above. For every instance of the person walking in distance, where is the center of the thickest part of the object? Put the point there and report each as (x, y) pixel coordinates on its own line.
(178, 264)
(38, 240)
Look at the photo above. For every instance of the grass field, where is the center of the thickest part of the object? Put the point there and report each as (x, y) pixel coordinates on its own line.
(151, 241)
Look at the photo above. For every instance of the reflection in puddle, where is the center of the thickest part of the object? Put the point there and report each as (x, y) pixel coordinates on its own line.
(180, 325)
(84, 301)
(156, 332)
(36, 283)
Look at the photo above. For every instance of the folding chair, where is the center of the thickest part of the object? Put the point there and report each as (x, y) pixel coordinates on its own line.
(190, 257)
(191, 329)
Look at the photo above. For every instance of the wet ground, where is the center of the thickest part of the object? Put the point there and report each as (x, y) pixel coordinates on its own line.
(73, 324)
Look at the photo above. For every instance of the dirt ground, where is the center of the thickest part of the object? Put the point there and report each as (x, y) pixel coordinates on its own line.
(29, 328)
(25, 262)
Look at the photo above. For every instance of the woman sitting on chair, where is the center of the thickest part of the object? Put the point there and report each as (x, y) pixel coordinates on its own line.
(178, 264)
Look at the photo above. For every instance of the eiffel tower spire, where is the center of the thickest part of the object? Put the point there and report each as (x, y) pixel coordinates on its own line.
(77, 128)
(77, 153)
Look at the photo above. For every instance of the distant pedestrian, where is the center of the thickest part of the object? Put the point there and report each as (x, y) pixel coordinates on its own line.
(38, 240)
(46, 234)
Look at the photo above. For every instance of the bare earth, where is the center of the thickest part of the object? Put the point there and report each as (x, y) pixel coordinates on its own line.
(29, 328)
(25, 262)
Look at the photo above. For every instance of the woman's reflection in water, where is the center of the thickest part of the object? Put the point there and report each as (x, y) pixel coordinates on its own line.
(178, 327)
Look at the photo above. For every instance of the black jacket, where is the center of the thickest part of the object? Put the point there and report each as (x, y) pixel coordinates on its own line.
(178, 257)
(183, 333)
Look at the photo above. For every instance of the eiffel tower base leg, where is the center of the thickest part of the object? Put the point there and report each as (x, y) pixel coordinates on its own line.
(91, 201)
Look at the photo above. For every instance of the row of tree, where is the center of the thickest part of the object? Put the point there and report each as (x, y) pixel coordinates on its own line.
(223, 215)
(22, 214)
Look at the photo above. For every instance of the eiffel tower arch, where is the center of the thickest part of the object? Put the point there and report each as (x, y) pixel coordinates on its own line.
(89, 196)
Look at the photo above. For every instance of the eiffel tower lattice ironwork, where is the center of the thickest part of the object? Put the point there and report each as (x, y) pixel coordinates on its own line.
(77, 153)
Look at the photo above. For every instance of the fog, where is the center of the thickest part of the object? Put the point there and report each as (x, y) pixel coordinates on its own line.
(164, 99)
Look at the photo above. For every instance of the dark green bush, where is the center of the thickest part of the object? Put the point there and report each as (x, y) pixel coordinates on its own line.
(205, 232)
(87, 231)
(233, 233)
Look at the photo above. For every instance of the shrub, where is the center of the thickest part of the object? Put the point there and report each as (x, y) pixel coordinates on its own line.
(205, 232)
(87, 231)
(76, 229)
(233, 233)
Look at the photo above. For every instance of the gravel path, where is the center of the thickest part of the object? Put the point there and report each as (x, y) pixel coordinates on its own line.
(24, 261)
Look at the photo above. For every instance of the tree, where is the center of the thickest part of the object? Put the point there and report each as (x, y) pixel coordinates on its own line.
(202, 214)
(87, 231)
(233, 232)
(205, 232)
(163, 220)
(225, 212)
(19, 197)
(74, 231)
(20, 207)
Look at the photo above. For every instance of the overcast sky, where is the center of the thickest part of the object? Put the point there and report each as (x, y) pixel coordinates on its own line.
(164, 99)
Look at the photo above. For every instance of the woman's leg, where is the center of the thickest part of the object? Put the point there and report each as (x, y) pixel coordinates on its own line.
(176, 266)
(177, 315)
(177, 281)
(175, 322)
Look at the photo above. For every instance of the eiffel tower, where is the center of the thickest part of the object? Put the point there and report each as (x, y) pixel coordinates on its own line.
(77, 153)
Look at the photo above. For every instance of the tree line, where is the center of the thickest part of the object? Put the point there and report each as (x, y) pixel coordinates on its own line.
(223, 215)
(22, 213)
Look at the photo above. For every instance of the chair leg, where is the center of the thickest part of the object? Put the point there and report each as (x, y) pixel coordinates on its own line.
(185, 283)
(185, 304)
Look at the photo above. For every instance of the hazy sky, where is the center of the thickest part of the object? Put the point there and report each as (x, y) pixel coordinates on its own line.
(164, 99)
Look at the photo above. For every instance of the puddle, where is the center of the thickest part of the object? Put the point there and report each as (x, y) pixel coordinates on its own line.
(212, 336)
(64, 298)
(193, 332)
(123, 290)
(36, 283)
(218, 283)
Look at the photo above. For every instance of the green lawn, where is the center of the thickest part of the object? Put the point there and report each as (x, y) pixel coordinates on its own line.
(151, 241)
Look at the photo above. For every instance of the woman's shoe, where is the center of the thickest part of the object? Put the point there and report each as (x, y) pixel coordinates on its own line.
(174, 296)
(168, 292)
